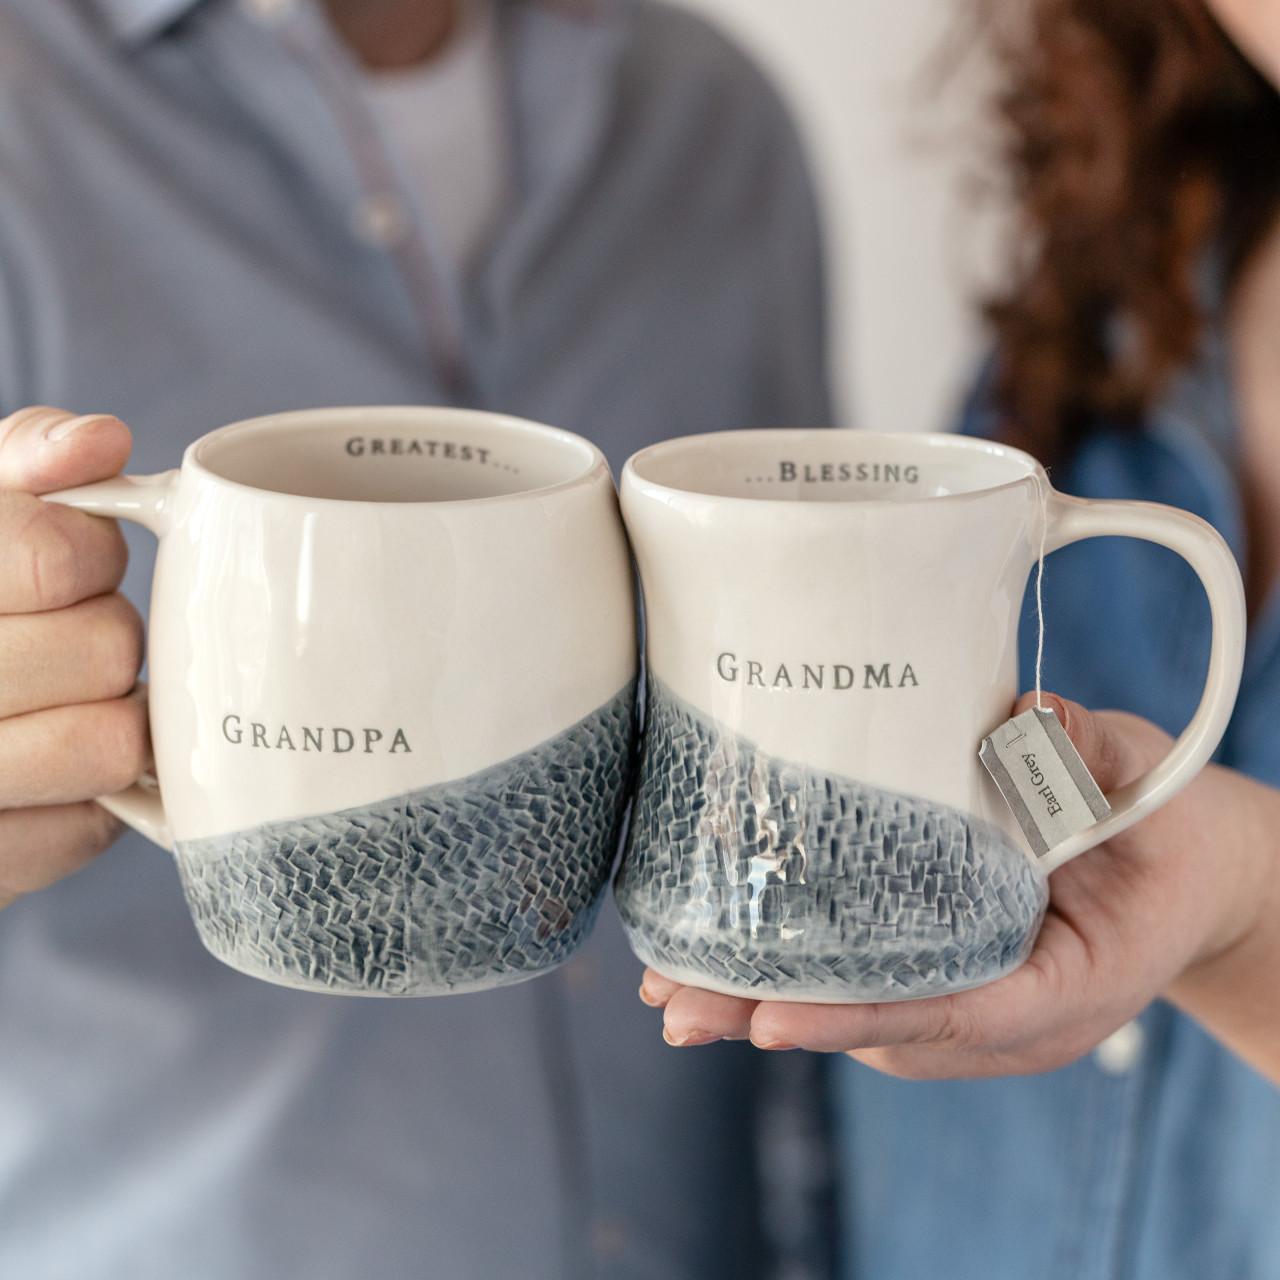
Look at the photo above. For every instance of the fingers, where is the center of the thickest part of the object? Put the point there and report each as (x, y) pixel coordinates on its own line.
(68, 754)
(694, 1016)
(88, 652)
(1116, 747)
(942, 1061)
(838, 1028)
(1042, 1016)
(1022, 1006)
(655, 990)
(43, 449)
(40, 846)
(1049, 1012)
(52, 556)
(71, 725)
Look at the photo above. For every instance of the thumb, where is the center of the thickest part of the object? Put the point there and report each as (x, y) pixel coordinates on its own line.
(1116, 747)
(43, 449)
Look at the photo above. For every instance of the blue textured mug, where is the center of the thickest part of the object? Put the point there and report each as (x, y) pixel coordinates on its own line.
(393, 657)
(831, 623)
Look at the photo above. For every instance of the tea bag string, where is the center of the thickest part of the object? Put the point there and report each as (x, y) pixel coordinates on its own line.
(1044, 531)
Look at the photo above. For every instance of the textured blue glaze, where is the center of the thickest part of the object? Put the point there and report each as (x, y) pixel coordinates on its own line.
(774, 878)
(474, 883)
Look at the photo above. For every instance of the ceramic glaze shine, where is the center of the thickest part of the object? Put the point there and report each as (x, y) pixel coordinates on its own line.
(831, 622)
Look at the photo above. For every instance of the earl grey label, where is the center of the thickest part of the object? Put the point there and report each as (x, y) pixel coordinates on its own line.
(1042, 778)
(325, 739)
(836, 677)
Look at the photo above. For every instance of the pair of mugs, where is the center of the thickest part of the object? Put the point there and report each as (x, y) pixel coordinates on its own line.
(393, 666)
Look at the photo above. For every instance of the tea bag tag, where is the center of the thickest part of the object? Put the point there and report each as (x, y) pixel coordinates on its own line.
(1042, 778)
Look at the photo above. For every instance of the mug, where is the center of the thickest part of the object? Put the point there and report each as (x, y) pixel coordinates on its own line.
(832, 625)
(392, 672)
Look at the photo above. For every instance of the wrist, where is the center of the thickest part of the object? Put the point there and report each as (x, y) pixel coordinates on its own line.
(1232, 986)
(1235, 997)
(1240, 842)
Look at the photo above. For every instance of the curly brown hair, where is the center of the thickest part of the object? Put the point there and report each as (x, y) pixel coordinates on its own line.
(1139, 140)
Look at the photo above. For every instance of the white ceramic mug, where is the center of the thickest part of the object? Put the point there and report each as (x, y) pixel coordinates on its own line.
(832, 627)
(392, 667)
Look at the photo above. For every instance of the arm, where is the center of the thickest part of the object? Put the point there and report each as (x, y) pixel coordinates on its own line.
(1185, 904)
(72, 724)
(1233, 991)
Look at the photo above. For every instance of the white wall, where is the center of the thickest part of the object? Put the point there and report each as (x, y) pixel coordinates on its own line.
(905, 246)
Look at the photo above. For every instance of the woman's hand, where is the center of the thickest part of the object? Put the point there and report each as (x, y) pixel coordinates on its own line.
(1185, 904)
(72, 724)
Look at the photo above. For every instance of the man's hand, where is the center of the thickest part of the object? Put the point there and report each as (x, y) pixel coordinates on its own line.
(1126, 922)
(72, 724)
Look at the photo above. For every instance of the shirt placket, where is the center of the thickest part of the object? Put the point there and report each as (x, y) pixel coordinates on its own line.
(381, 215)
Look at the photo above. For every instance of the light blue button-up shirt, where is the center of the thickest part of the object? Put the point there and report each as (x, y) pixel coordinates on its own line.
(1157, 1158)
(200, 221)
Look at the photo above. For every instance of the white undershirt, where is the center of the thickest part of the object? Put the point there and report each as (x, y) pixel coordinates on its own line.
(448, 120)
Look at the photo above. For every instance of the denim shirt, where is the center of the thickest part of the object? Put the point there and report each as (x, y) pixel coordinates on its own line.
(1165, 1166)
(200, 221)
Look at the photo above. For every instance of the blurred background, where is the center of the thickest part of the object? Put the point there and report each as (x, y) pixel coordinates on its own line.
(898, 153)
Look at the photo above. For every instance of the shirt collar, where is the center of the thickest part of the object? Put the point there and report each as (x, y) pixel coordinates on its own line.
(136, 21)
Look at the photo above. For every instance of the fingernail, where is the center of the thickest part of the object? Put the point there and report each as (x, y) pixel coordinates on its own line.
(1059, 709)
(690, 1039)
(61, 430)
(774, 1044)
(650, 999)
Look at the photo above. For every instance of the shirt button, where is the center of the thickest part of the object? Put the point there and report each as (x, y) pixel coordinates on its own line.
(380, 221)
(1118, 1054)
(268, 11)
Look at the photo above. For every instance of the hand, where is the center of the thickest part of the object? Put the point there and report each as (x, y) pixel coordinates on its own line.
(72, 724)
(1174, 897)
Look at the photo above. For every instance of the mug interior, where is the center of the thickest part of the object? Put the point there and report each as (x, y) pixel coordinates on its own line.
(394, 454)
(830, 466)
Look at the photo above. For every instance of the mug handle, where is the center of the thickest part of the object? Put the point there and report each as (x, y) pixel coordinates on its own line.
(144, 500)
(1203, 548)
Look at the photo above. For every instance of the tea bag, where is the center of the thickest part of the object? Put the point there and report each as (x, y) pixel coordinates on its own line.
(1034, 763)
(1042, 778)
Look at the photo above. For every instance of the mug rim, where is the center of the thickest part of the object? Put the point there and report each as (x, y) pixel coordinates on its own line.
(632, 477)
(194, 463)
